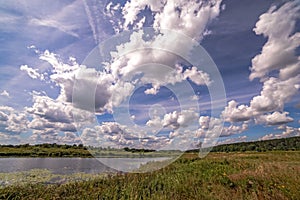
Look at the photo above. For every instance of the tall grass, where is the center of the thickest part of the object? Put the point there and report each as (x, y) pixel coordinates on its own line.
(268, 175)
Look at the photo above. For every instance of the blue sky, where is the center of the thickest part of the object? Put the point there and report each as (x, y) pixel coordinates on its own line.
(56, 87)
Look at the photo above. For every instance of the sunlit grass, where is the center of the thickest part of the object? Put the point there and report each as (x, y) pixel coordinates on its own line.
(268, 175)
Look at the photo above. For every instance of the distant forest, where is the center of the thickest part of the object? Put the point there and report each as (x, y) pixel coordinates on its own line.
(283, 144)
(59, 150)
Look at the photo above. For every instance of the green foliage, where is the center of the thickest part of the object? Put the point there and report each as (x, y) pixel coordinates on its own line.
(283, 144)
(250, 175)
(134, 150)
(44, 150)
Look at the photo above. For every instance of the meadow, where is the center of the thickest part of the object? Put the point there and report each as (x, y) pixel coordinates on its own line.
(233, 175)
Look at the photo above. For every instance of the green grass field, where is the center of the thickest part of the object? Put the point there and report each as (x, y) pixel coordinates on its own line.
(247, 175)
(55, 150)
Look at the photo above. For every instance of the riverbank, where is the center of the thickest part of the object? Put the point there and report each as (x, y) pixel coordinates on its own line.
(75, 151)
(247, 175)
(44, 177)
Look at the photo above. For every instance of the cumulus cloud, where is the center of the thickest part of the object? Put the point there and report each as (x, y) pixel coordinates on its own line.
(187, 17)
(274, 94)
(33, 73)
(103, 90)
(235, 113)
(154, 90)
(279, 51)
(12, 122)
(93, 89)
(275, 118)
(9, 139)
(211, 127)
(132, 8)
(198, 77)
(277, 66)
(51, 136)
(50, 117)
(155, 65)
(54, 113)
(116, 135)
(174, 120)
(287, 132)
(51, 110)
(234, 129)
(147, 56)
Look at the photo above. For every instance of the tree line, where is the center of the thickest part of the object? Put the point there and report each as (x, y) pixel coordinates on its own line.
(282, 144)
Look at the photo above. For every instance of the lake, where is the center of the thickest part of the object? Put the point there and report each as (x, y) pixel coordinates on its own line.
(74, 165)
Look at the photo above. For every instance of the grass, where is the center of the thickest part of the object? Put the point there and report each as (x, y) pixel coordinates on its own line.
(42, 176)
(252, 175)
(54, 150)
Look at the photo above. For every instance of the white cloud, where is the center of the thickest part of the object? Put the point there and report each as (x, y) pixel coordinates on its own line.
(68, 18)
(288, 132)
(140, 24)
(93, 90)
(235, 113)
(9, 139)
(4, 93)
(139, 56)
(277, 56)
(155, 122)
(206, 122)
(3, 116)
(154, 65)
(119, 92)
(275, 118)
(233, 129)
(51, 110)
(52, 120)
(195, 97)
(154, 90)
(33, 73)
(70, 138)
(132, 8)
(233, 140)
(198, 77)
(275, 93)
(69, 29)
(116, 135)
(17, 123)
(279, 51)
(187, 17)
(174, 120)
(211, 127)
(12, 122)
(269, 137)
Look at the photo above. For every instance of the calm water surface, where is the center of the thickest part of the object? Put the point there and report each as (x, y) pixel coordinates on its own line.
(73, 165)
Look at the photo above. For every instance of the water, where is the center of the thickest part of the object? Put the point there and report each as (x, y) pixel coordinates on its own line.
(129, 164)
(73, 165)
(55, 165)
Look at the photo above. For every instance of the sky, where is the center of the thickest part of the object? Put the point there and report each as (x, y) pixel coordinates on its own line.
(149, 74)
